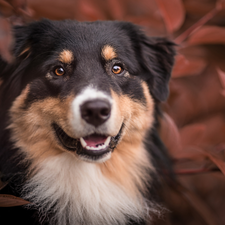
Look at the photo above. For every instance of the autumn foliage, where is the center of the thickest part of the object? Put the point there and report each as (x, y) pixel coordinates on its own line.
(193, 125)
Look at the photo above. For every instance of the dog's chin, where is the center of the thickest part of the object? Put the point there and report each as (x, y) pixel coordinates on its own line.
(95, 148)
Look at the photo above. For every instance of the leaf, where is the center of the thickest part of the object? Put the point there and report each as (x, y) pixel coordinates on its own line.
(188, 66)
(190, 153)
(192, 134)
(91, 11)
(66, 10)
(208, 35)
(6, 40)
(10, 200)
(223, 93)
(196, 26)
(191, 166)
(18, 3)
(199, 8)
(117, 10)
(195, 97)
(217, 155)
(6, 9)
(221, 75)
(201, 207)
(173, 13)
(220, 4)
(169, 134)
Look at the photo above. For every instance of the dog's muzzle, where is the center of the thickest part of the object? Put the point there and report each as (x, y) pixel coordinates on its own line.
(94, 127)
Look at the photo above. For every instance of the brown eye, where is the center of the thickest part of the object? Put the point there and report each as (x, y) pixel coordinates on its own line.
(117, 69)
(59, 71)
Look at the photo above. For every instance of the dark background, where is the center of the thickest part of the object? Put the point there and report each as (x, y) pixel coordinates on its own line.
(193, 126)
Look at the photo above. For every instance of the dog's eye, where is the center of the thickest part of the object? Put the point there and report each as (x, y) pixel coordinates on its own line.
(59, 71)
(117, 69)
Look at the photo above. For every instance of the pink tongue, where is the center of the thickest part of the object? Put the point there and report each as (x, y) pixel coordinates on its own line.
(95, 139)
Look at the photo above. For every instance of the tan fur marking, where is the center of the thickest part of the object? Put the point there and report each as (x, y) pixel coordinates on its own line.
(129, 161)
(32, 131)
(66, 56)
(108, 52)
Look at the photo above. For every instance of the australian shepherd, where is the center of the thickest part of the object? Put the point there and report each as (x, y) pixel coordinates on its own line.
(79, 109)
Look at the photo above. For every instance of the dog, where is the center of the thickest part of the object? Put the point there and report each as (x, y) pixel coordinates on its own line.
(79, 122)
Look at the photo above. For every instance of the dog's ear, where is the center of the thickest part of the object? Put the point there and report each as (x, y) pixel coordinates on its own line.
(21, 46)
(157, 62)
(20, 35)
(155, 57)
(28, 38)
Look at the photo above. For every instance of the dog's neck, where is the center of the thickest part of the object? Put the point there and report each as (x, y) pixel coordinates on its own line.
(78, 192)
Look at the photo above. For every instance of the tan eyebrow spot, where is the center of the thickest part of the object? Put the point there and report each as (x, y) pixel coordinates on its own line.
(108, 52)
(66, 56)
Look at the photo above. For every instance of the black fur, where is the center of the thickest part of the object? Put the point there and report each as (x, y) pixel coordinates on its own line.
(148, 59)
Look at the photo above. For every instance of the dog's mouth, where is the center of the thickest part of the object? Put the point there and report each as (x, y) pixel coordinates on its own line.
(93, 147)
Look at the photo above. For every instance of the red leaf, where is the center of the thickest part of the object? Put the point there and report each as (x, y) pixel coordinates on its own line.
(18, 3)
(220, 4)
(6, 9)
(218, 157)
(170, 134)
(6, 40)
(90, 12)
(192, 134)
(116, 7)
(208, 35)
(221, 75)
(199, 8)
(173, 13)
(200, 206)
(193, 166)
(195, 97)
(199, 24)
(188, 66)
(10, 200)
(223, 93)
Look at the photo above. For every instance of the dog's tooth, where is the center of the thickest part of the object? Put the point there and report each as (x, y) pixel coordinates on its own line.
(99, 147)
(107, 141)
(83, 143)
(103, 146)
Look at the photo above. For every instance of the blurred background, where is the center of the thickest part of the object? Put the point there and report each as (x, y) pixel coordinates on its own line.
(193, 123)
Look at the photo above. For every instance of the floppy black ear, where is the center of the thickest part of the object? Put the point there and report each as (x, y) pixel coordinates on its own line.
(156, 58)
(157, 61)
(29, 37)
(21, 34)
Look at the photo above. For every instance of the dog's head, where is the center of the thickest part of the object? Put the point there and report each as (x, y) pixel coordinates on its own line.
(84, 88)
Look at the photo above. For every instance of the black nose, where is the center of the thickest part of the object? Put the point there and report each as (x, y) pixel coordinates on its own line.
(95, 112)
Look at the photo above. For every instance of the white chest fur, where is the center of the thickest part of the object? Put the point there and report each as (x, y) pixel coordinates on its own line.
(77, 193)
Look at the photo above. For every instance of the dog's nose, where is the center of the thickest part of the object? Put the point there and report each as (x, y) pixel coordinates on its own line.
(95, 112)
